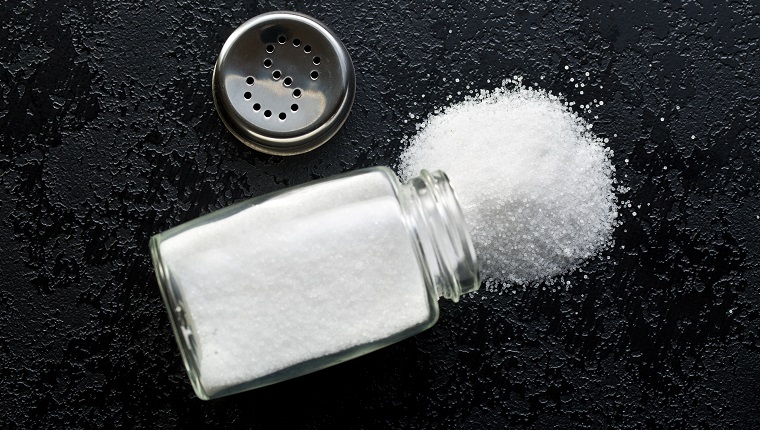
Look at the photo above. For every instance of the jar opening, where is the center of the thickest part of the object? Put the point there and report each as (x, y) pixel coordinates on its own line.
(446, 244)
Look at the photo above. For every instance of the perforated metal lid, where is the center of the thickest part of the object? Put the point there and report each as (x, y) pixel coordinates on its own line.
(283, 83)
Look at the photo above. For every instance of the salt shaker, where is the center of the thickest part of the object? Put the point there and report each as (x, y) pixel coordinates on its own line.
(298, 280)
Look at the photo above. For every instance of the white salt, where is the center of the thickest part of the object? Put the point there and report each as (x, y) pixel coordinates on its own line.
(536, 186)
(301, 276)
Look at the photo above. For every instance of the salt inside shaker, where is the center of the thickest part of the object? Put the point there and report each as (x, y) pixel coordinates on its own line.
(298, 280)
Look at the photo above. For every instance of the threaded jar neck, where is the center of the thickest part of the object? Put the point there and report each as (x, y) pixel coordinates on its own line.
(446, 248)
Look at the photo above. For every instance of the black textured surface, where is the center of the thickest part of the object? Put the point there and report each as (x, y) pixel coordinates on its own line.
(109, 135)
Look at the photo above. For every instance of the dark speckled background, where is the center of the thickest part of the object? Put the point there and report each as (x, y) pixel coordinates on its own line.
(109, 135)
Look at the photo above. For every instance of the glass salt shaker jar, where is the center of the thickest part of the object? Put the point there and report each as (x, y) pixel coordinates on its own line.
(300, 279)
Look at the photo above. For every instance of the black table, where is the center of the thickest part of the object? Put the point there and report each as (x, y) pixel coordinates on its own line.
(109, 135)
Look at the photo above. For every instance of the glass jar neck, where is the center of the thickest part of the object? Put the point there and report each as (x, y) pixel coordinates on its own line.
(445, 247)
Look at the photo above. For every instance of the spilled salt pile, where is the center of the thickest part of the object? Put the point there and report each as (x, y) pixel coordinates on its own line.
(535, 184)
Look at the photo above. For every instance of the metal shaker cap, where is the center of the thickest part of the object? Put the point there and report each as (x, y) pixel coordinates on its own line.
(283, 83)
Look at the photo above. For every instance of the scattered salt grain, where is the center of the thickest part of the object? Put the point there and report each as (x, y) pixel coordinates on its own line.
(536, 186)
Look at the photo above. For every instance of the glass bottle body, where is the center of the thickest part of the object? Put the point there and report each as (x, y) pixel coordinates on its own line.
(310, 276)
